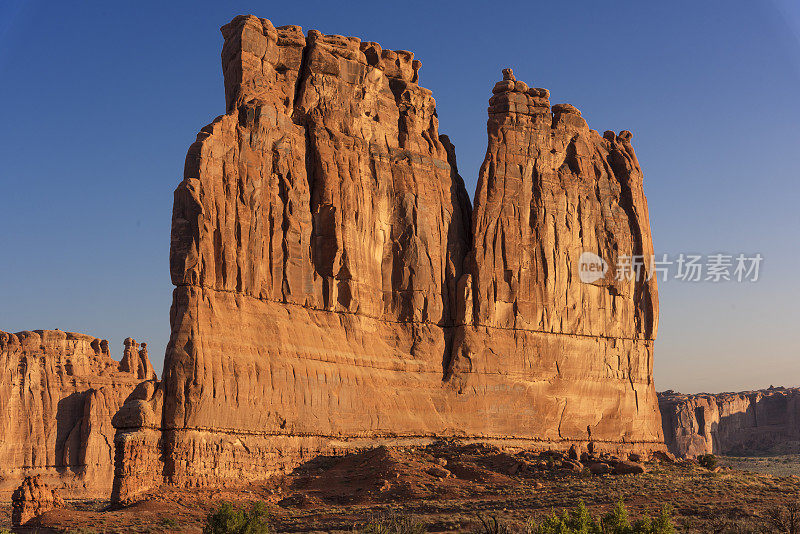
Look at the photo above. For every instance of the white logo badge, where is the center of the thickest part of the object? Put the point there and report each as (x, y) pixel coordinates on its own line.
(591, 267)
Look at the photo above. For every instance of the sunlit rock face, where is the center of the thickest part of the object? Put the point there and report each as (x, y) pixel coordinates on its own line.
(58, 393)
(743, 424)
(334, 288)
(574, 360)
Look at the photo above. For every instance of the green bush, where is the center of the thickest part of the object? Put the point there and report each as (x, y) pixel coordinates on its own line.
(709, 461)
(490, 525)
(230, 519)
(580, 521)
(661, 524)
(394, 524)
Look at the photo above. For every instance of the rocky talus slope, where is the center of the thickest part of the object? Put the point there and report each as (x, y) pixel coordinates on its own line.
(335, 289)
(58, 392)
(743, 424)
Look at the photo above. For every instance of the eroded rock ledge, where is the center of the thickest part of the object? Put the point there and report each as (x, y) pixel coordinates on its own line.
(58, 392)
(335, 289)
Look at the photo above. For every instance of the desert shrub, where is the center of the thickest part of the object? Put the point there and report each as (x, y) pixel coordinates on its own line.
(580, 521)
(230, 519)
(168, 522)
(394, 524)
(616, 520)
(786, 518)
(660, 524)
(491, 525)
(709, 461)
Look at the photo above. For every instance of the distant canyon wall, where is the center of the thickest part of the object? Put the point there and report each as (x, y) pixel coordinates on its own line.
(58, 393)
(334, 287)
(747, 423)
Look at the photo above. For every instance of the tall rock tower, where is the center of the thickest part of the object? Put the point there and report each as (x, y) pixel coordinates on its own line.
(334, 289)
(570, 360)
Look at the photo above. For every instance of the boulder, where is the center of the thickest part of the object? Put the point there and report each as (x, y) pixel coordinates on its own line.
(625, 467)
(573, 452)
(572, 465)
(439, 472)
(664, 457)
(600, 468)
(31, 499)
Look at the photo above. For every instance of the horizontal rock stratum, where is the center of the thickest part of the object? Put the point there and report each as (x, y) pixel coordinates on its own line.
(58, 393)
(335, 288)
(750, 423)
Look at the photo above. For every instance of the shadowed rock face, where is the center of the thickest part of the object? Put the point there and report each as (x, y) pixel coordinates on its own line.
(334, 288)
(58, 392)
(747, 423)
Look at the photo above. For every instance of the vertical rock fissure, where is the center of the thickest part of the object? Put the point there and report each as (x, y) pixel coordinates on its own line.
(640, 291)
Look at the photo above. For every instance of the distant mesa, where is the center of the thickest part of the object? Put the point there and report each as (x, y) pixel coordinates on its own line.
(750, 423)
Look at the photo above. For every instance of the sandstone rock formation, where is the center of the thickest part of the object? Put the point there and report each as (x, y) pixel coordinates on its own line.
(32, 498)
(58, 392)
(579, 355)
(334, 288)
(136, 361)
(747, 423)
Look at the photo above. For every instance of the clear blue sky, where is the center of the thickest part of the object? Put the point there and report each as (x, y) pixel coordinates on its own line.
(101, 102)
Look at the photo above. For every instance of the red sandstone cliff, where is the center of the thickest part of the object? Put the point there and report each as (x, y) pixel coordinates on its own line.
(747, 423)
(568, 360)
(335, 290)
(58, 392)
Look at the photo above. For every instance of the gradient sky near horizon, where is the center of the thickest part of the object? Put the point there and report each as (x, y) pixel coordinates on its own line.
(101, 101)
